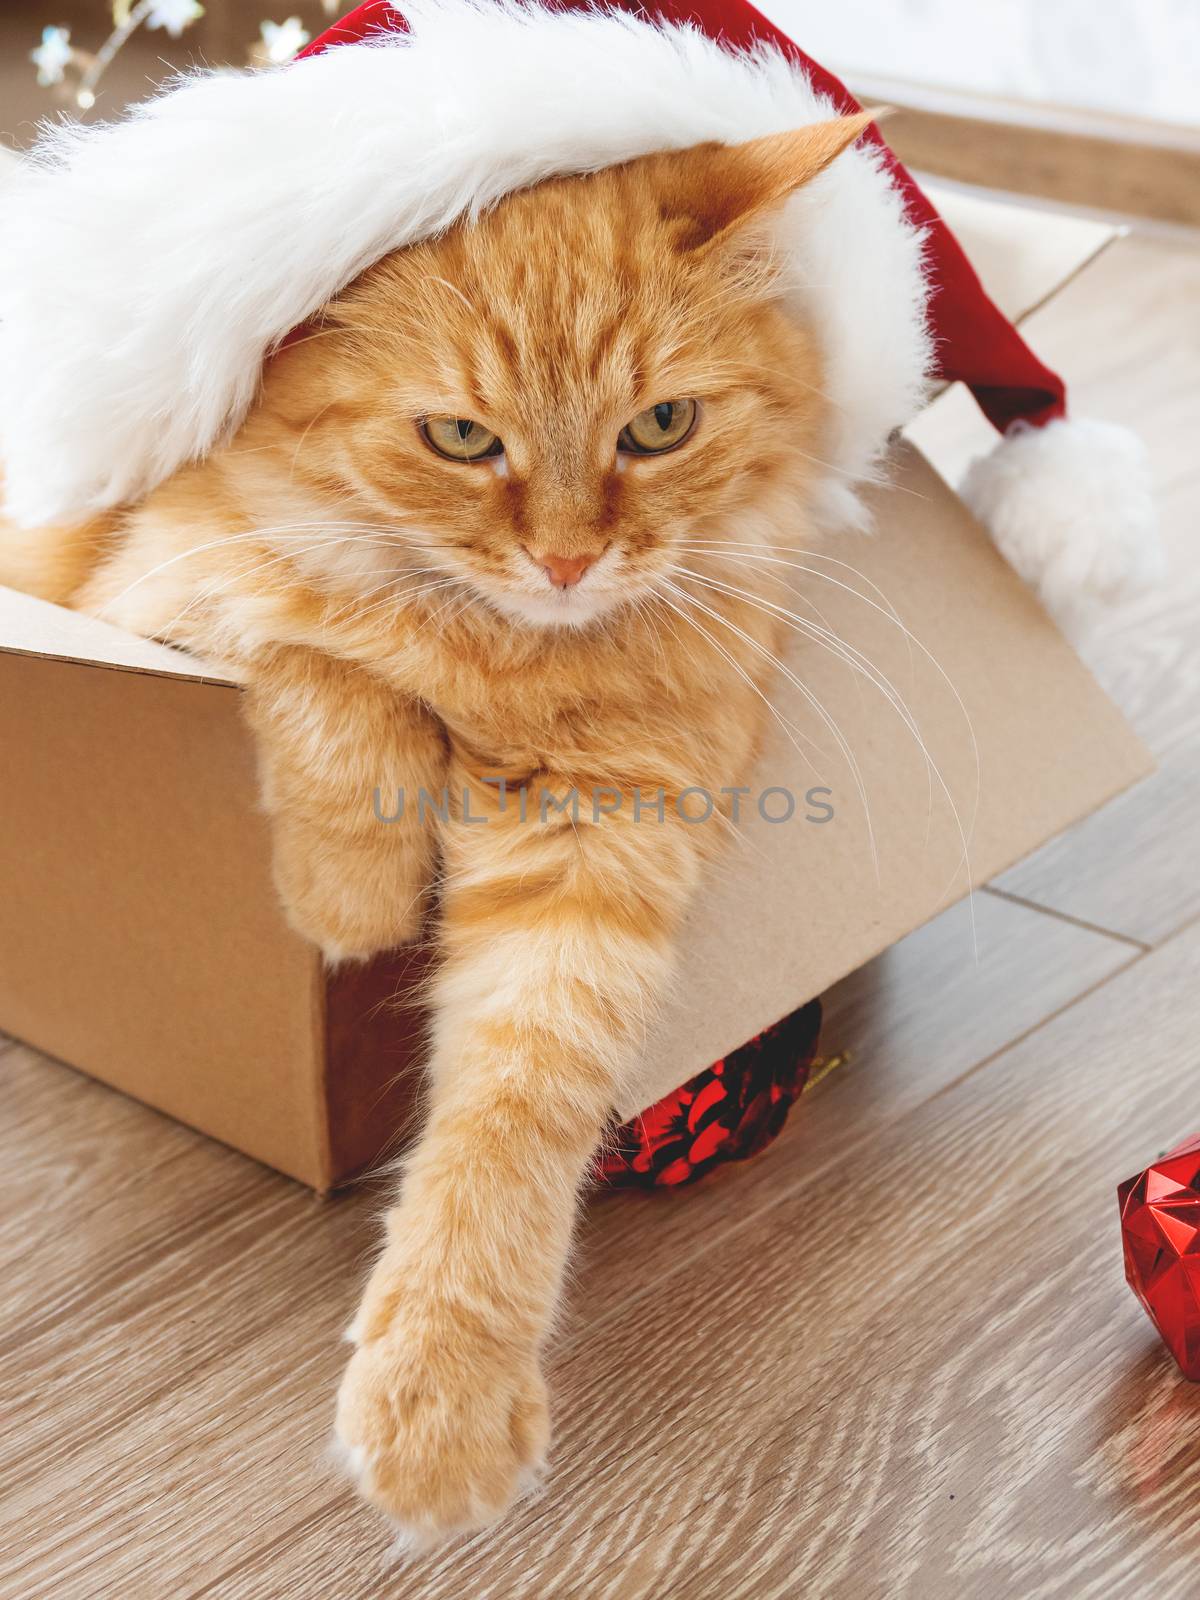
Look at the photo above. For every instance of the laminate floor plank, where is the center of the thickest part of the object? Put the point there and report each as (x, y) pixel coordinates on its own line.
(171, 1373)
(910, 1044)
(948, 1319)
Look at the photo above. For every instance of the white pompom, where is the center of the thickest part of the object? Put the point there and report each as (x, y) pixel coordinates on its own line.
(1069, 506)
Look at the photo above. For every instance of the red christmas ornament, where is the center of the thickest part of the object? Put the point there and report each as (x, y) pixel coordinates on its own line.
(1160, 1226)
(728, 1112)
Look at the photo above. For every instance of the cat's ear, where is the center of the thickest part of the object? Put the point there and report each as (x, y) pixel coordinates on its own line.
(715, 190)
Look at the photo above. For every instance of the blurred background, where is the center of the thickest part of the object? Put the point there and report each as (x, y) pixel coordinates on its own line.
(1058, 100)
(165, 35)
(1128, 58)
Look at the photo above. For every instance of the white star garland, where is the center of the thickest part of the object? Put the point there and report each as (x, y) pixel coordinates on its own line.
(282, 40)
(52, 56)
(174, 15)
(56, 56)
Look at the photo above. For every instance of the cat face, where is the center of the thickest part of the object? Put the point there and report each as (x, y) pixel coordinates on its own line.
(544, 405)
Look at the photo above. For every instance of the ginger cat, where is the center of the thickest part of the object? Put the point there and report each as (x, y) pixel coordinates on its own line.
(476, 528)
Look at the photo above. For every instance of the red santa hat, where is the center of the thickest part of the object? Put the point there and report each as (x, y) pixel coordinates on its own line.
(149, 267)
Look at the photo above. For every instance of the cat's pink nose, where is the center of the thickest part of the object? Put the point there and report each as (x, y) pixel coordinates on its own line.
(563, 571)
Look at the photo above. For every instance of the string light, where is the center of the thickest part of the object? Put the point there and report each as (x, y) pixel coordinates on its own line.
(76, 74)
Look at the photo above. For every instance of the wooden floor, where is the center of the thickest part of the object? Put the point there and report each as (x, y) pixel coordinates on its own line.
(893, 1357)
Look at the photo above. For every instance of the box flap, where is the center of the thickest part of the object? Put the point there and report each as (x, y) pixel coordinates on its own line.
(32, 627)
(1023, 255)
(1022, 743)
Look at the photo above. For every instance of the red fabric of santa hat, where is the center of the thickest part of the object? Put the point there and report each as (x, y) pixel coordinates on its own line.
(229, 209)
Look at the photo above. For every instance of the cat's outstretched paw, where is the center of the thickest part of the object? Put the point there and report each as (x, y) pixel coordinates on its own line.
(441, 1429)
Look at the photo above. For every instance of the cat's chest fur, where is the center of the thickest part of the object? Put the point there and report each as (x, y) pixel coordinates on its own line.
(559, 701)
(611, 705)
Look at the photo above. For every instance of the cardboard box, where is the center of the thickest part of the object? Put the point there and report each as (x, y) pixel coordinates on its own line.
(140, 939)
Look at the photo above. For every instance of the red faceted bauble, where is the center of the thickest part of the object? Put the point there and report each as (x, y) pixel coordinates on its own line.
(1160, 1226)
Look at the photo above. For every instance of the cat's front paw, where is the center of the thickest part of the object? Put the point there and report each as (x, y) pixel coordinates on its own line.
(441, 1427)
(350, 902)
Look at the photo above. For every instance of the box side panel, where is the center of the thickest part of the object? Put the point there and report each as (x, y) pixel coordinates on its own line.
(140, 937)
(375, 1036)
(1021, 741)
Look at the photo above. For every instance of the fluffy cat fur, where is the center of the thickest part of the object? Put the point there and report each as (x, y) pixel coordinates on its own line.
(390, 614)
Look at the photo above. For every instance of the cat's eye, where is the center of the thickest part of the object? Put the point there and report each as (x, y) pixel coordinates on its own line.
(460, 439)
(659, 428)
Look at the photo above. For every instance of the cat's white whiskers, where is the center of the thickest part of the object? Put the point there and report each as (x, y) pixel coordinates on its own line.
(255, 570)
(388, 581)
(641, 606)
(444, 283)
(308, 428)
(860, 664)
(790, 730)
(889, 612)
(788, 727)
(750, 548)
(307, 338)
(737, 557)
(282, 530)
(700, 550)
(210, 591)
(822, 633)
(847, 754)
(400, 597)
(642, 610)
(734, 559)
(464, 600)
